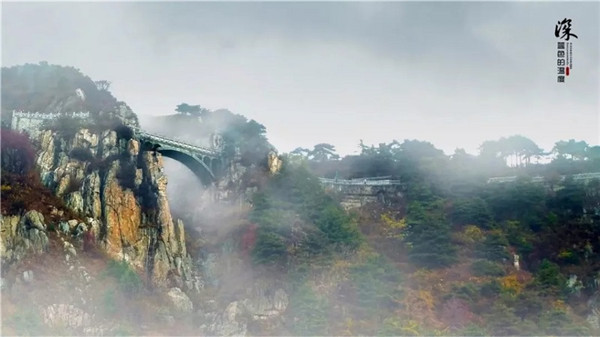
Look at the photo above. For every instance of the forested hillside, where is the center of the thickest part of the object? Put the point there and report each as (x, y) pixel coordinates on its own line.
(457, 255)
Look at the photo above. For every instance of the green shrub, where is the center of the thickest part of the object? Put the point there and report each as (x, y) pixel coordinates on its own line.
(146, 194)
(124, 132)
(556, 322)
(428, 235)
(466, 291)
(108, 302)
(472, 330)
(486, 268)
(270, 248)
(338, 226)
(519, 236)
(490, 289)
(294, 197)
(74, 185)
(494, 247)
(502, 321)
(549, 280)
(81, 154)
(129, 281)
(308, 313)
(472, 211)
(375, 282)
(395, 326)
(528, 305)
(66, 127)
(126, 174)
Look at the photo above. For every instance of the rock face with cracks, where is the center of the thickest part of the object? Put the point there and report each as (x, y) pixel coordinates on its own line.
(22, 235)
(122, 188)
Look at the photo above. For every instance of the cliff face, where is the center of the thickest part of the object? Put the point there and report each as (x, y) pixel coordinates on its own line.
(122, 191)
(22, 235)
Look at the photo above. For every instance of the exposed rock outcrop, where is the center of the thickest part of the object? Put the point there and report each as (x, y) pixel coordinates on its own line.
(275, 163)
(22, 235)
(66, 315)
(264, 301)
(228, 323)
(122, 192)
(593, 316)
(179, 300)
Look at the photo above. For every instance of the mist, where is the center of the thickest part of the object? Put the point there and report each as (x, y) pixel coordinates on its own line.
(455, 74)
(394, 168)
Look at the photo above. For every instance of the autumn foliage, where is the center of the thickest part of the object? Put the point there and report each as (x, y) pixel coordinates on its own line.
(22, 188)
(18, 155)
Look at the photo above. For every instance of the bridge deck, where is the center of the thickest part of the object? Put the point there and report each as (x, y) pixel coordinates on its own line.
(539, 179)
(175, 143)
(360, 181)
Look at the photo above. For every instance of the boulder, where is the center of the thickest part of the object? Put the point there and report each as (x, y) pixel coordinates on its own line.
(34, 219)
(179, 300)
(265, 301)
(20, 236)
(229, 323)
(28, 276)
(593, 316)
(66, 315)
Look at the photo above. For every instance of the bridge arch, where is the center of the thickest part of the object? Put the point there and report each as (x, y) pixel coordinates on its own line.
(196, 165)
(200, 160)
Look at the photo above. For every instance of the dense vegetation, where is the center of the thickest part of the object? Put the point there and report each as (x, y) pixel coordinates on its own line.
(454, 227)
(241, 138)
(293, 203)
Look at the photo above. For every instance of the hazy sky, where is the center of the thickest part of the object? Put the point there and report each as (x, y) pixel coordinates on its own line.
(454, 74)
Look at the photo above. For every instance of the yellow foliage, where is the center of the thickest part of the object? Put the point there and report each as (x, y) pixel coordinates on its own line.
(396, 326)
(411, 328)
(511, 283)
(427, 298)
(473, 233)
(559, 305)
(5, 188)
(393, 229)
(424, 275)
(365, 253)
(340, 268)
(348, 327)
(565, 254)
(432, 280)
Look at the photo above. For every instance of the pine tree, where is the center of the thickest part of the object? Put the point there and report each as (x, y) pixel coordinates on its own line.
(428, 234)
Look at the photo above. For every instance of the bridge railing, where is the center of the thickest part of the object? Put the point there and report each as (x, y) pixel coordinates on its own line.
(361, 181)
(163, 139)
(540, 179)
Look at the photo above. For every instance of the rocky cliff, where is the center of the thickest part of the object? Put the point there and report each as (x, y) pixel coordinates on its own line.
(105, 177)
(22, 235)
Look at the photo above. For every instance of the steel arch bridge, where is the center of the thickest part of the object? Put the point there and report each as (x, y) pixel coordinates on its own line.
(204, 162)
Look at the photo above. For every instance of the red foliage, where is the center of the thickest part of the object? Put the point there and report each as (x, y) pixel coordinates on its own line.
(18, 155)
(21, 186)
(89, 240)
(21, 192)
(249, 239)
